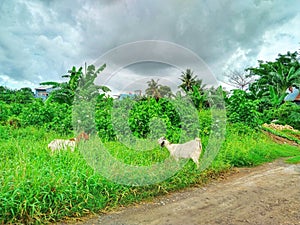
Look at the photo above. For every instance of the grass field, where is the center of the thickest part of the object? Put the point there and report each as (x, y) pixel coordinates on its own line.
(37, 187)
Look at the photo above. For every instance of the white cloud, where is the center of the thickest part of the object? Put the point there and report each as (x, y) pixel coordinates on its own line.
(239, 60)
(281, 40)
(41, 40)
(6, 81)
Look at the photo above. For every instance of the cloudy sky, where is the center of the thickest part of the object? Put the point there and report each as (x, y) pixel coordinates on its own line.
(41, 40)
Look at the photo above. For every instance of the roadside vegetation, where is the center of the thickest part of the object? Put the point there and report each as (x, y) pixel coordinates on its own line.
(37, 187)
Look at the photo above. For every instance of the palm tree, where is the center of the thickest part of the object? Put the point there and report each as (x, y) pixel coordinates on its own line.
(64, 92)
(61, 93)
(188, 80)
(153, 89)
(157, 90)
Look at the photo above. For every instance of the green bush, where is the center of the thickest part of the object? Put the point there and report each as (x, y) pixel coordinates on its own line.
(146, 118)
(153, 119)
(5, 112)
(4, 132)
(288, 113)
(205, 120)
(53, 116)
(243, 110)
(103, 121)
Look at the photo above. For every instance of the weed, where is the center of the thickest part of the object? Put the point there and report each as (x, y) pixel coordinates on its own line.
(37, 187)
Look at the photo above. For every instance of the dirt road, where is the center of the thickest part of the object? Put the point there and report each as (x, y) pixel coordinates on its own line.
(268, 194)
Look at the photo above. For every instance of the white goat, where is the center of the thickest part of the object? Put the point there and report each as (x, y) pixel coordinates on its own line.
(62, 144)
(188, 150)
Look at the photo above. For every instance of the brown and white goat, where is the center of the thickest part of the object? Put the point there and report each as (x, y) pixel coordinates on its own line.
(63, 144)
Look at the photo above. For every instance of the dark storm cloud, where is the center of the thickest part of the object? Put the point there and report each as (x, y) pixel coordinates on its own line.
(41, 40)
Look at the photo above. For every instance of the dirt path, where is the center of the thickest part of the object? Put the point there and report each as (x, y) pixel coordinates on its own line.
(269, 194)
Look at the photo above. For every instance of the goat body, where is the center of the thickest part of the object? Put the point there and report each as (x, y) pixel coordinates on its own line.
(189, 150)
(62, 144)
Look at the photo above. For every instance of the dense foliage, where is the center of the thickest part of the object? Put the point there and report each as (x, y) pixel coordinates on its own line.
(243, 110)
(37, 187)
(264, 101)
(279, 75)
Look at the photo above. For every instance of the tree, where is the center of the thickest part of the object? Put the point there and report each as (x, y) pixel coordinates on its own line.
(194, 88)
(75, 76)
(241, 109)
(23, 95)
(188, 80)
(239, 79)
(200, 85)
(86, 96)
(217, 97)
(65, 92)
(85, 86)
(280, 74)
(165, 91)
(157, 90)
(153, 89)
(6, 94)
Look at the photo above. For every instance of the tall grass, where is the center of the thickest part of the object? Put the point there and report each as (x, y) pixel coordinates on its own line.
(37, 187)
(246, 147)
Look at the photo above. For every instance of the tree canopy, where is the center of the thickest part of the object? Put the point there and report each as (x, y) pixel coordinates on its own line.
(275, 77)
(157, 90)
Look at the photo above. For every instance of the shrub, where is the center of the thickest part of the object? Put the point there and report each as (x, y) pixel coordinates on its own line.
(103, 119)
(287, 113)
(53, 116)
(5, 112)
(243, 110)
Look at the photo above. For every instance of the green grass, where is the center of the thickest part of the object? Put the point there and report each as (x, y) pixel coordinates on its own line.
(131, 156)
(293, 160)
(252, 148)
(293, 133)
(37, 187)
(288, 134)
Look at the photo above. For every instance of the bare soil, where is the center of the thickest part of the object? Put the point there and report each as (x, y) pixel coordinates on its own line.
(282, 140)
(268, 194)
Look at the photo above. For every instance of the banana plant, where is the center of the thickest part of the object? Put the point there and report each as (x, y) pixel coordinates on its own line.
(75, 76)
(276, 98)
(280, 74)
(65, 92)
